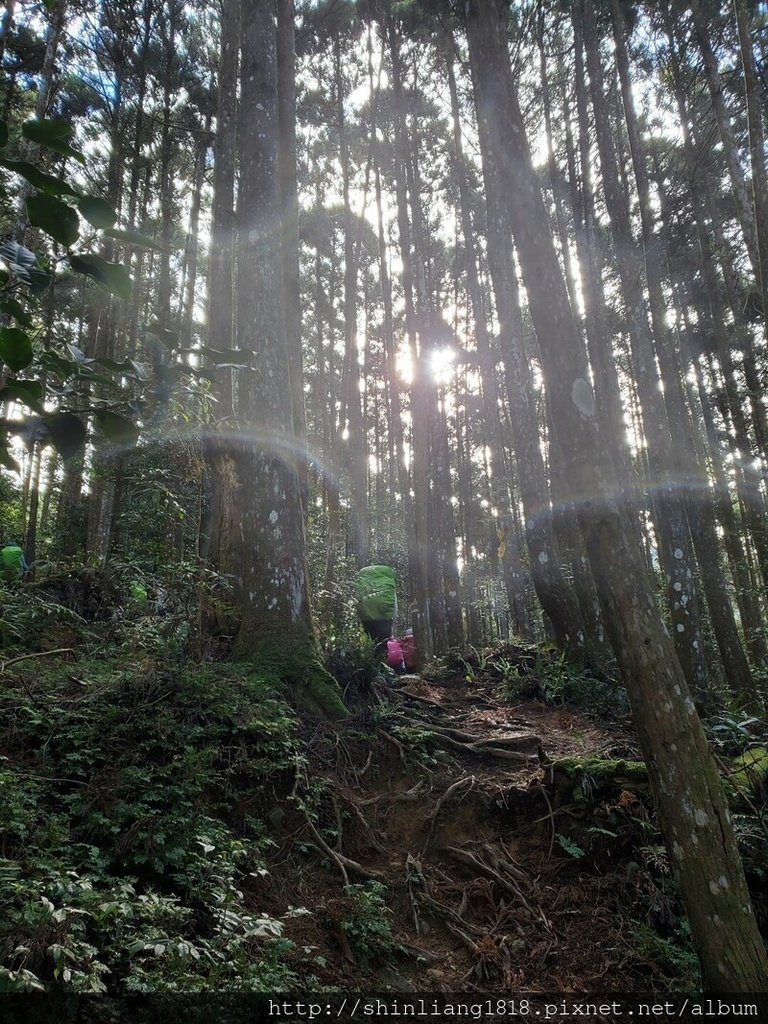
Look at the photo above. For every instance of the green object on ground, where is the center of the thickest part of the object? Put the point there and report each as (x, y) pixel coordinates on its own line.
(138, 592)
(11, 562)
(375, 591)
(748, 778)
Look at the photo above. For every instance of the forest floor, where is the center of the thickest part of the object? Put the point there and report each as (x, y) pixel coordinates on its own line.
(169, 826)
(515, 841)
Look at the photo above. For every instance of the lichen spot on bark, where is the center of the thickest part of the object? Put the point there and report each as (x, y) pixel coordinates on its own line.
(677, 851)
(273, 516)
(680, 627)
(678, 552)
(678, 586)
(701, 817)
(582, 397)
(714, 888)
(543, 557)
(690, 707)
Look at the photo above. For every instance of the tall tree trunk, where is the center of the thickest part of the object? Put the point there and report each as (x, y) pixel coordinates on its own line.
(555, 596)
(514, 579)
(356, 446)
(751, 210)
(286, 112)
(277, 632)
(697, 500)
(671, 527)
(222, 248)
(689, 796)
(420, 398)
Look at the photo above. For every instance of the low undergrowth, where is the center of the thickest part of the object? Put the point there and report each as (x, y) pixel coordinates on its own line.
(169, 826)
(132, 839)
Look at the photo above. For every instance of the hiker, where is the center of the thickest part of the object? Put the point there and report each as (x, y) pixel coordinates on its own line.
(12, 562)
(377, 604)
(395, 659)
(410, 654)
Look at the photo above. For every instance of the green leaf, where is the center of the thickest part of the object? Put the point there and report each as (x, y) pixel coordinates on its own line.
(77, 354)
(97, 212)
(109, 364)
(63, 368)
(116, 428)
(142, 370)
(18, 258)
(30, 392)
(23, 264)
(569, 846)
(17, 311)
(168, 338)
(39, 179)
(15, 348)
(113, 277)
(53, 133)
(136, 238)
(49, 4)
(39, 280)
(57, 219)
(67, 433)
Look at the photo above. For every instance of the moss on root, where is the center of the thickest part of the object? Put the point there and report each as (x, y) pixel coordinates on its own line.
(294, 660)
(748, 779)
(584, 776)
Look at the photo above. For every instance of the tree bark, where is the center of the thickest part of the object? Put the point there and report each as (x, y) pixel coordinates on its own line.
(675, 549)
(277, 633)
(687, 789)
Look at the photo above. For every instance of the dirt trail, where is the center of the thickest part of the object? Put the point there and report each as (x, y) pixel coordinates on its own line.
(449, 802)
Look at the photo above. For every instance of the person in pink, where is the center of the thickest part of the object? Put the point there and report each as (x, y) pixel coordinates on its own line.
(395, 655)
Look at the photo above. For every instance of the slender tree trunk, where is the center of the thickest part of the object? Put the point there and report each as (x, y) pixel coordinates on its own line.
(187, 303)
(697, 499)
(286, 110)
(671, 527)
(555, 596)
(514, 579)
(689, 796)
(751, 210)
(356, 446)
(420, 399)
(222, 249)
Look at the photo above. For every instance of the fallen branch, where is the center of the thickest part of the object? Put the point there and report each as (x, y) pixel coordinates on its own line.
(38, 654)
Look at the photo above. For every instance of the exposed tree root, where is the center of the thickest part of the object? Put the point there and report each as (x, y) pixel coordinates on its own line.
(342, 862)
(469, 782)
